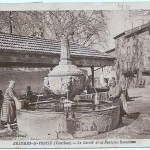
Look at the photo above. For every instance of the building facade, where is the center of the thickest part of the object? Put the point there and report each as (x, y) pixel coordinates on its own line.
(132, 55)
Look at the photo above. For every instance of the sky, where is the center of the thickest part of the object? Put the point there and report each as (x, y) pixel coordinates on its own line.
(119, 23)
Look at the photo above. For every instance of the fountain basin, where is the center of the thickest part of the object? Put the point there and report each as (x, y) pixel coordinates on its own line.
(88, 123)
(41, 124)
(53, 125)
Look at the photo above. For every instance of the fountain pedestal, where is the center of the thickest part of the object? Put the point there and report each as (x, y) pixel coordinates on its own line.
(66, 78)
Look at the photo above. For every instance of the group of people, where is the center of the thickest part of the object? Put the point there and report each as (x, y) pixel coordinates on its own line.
(9, 100)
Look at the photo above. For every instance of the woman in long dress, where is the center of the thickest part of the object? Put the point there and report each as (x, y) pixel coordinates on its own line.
(116, 94)
(123, 83)
(9, 106)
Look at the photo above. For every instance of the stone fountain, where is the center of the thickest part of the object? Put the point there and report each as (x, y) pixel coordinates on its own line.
(83, 119)
(66, 78)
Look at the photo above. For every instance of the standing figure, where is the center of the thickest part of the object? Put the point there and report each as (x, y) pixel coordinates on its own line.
(124, 86)
(29, 93)
(46, 87)
(105, 85)
(115, 93)
(9, 105)
(1, 103)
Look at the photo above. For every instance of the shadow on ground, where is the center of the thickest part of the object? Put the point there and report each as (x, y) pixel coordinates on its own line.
(129, 119)
(133, 115)
(133, 98)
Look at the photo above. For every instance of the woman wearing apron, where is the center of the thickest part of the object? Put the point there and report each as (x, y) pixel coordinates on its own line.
(9, 106)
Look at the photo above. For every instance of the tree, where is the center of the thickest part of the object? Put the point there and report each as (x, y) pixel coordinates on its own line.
(4, 20)
(21, 23)
(84, 27)
(142, 16)
(88, 28)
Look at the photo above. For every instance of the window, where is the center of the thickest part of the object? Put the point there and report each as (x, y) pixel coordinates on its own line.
(128, 51)
(134, 49)
(128, 56)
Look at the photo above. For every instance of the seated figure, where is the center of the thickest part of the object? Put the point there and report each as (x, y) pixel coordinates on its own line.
(29, 94)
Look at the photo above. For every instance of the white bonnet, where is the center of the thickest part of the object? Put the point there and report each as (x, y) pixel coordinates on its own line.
(11, 81)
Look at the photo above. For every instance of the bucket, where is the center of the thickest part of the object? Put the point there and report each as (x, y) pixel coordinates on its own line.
(20, 104)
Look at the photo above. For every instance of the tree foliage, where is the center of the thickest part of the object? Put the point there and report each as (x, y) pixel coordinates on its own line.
(142, 16)
(88, 28)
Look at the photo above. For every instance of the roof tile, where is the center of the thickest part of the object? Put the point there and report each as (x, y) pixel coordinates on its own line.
(25, 43)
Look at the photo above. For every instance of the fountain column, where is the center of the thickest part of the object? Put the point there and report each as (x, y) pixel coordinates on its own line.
(65, 52)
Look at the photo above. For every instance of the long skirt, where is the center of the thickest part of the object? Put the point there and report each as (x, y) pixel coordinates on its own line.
(8, 111)
(125, 91)
(121, 104)
(124, 104)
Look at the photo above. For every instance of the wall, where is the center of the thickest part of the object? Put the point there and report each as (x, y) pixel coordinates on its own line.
(23, 79)
(132, 56)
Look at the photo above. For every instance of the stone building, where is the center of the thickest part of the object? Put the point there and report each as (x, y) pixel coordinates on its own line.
(132, 50)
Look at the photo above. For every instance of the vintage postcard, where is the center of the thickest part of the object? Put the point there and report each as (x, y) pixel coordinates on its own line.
(74, 75)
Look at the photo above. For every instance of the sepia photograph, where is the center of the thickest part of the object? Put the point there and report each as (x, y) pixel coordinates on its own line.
(75, 77)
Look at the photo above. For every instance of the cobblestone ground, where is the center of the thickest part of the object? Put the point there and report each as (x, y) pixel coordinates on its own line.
(136, 125)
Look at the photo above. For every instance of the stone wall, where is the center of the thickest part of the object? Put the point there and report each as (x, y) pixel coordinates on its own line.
(55, 125)
(22, 78)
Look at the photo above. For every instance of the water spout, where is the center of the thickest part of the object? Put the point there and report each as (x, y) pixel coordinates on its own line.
(96, 99)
